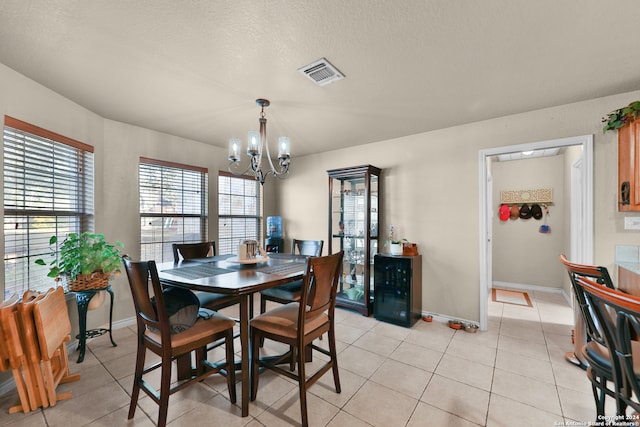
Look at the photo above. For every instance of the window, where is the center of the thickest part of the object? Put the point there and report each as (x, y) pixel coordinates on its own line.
(239, 211)
(173, 207)
(48, 189)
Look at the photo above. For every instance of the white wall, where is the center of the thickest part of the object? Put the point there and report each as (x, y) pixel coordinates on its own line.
(522, 255)
(430, 190)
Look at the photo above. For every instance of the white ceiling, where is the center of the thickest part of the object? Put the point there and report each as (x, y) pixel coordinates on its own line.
(195, 68)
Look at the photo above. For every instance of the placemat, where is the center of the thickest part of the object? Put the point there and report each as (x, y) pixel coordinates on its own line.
(197, 271)
(285, 269)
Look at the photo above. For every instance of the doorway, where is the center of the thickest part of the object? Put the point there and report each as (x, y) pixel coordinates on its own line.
(581, 234)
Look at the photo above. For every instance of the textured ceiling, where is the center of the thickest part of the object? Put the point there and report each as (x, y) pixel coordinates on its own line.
(195, 68)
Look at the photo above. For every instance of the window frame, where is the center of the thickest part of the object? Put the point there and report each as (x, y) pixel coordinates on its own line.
(229, 245)
(167, 218)
(27, 170)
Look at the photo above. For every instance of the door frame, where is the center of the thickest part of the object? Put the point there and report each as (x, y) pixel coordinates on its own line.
(584, 198)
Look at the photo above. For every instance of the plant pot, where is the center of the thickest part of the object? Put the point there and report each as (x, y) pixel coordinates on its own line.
(395, 248)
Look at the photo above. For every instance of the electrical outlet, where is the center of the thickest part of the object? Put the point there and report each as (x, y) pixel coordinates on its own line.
(632, 222)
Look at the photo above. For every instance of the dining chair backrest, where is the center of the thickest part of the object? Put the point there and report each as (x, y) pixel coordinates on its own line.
(600, 276)
(188, 251)
(307, 247)
(320, 285)
(140, 273)
(619, 315)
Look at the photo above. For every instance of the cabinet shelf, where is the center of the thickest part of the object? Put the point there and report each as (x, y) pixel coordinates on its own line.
(353, 228)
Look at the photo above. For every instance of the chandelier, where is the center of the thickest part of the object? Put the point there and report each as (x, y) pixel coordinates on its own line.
(256, 146)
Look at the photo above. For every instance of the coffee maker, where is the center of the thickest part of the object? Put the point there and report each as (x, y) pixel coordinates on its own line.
(274, 242)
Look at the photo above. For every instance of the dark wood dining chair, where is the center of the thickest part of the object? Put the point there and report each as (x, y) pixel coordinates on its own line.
(298, 324)
(154, 334)
(619, 315)
(600, 370)
(187, 251)
(291, 292)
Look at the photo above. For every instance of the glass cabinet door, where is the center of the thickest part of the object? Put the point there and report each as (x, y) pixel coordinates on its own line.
(353, 228)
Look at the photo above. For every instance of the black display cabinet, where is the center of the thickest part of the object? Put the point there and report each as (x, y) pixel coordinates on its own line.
(354, 201)
(398, 289)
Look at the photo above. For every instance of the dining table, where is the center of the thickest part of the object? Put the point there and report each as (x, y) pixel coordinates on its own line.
(227, 274)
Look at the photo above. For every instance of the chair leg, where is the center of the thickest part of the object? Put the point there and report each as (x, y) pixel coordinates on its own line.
(263, 308)
(255, 365)
(334, 359)
(302, 386)
(137, 379)
(231, 367)
(165, 388)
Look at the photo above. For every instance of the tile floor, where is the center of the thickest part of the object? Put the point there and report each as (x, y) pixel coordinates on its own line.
(430, 375)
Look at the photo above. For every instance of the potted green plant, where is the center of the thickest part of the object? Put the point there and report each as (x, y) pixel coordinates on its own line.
(86, 261)
(620, 117)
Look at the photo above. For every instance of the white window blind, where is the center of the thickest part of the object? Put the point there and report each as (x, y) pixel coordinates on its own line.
(173, 207)
(48, 190)
(239, 211)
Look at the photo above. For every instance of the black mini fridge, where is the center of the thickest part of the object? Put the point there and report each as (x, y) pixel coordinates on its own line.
(397, 289)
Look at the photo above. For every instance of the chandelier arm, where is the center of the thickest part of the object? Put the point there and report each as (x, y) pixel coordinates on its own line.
(255, 162)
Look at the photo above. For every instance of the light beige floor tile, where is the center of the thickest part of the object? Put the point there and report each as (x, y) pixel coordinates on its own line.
(475, 352)
(215, 411)
(465, 371)
(344, 419)
(30, 419)
(119, 417)
(581, 406)
(504, 412)
(570, 376)
(457, 398)
(379, 344)
(526, 366)
(526, 390)
(380, 406)
(271, 388)
(82, 409)
(359, 361)
(434, 336)
(348, 334)
(560, 341)
(286, 411)
(430, 415)
(415, 355)
(402, 378)
(531, 334)
(350, 383)
(523, 347)
(179, 403)
(391, 331)
(487, 338)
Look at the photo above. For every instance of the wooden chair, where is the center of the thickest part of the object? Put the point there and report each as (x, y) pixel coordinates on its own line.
(53, 330)
(297, 324)
(619, 315)
(291, 292)
(12, 355)
(170, 347)
(595, 352)
(186, 251)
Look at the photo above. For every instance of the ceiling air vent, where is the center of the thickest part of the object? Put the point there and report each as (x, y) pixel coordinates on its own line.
(321, 72)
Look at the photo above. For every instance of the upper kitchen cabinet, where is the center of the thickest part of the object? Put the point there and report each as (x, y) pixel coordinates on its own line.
(629, 166)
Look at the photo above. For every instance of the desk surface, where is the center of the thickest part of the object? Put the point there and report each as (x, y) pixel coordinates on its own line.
(218, 274)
